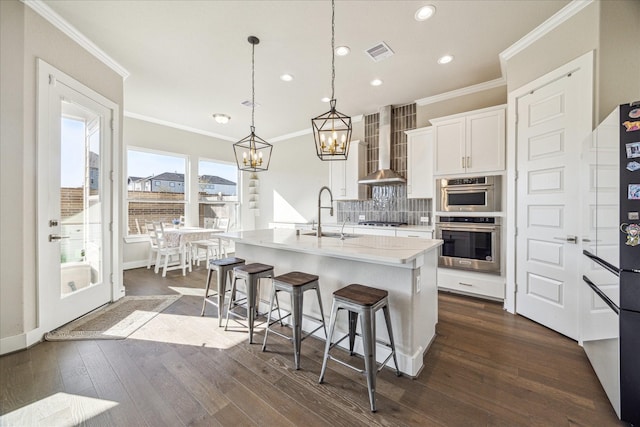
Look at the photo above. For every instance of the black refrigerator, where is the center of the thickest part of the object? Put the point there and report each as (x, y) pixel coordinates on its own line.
(610, 306)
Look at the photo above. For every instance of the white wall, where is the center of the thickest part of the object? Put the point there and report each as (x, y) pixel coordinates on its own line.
(25, 36)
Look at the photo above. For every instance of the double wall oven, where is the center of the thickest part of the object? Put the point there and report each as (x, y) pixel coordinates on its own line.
(470, 242)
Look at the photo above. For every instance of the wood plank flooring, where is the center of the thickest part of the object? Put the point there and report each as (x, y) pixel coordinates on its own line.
(485, 368)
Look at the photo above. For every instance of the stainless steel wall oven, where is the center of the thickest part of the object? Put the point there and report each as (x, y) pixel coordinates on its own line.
(470, 243)
(471, 194)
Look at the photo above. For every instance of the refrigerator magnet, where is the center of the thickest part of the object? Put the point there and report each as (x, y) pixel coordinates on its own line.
(633, 166)
(632, 126)
(633, 150)
(633, 233)
(634, 192)
(635, 113)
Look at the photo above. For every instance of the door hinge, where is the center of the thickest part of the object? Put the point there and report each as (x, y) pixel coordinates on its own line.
(111, 124)
(517, 175)
(111, 175)
(516, 232)
(111, 226)
(111, 278)
(52, 80)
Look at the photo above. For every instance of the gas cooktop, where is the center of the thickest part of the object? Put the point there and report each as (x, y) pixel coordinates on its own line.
(382, 223)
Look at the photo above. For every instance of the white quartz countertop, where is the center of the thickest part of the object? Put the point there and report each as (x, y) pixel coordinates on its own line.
(377, 249)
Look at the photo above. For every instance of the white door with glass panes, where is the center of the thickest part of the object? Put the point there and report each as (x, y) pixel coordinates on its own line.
(552, 121)
(75, 140)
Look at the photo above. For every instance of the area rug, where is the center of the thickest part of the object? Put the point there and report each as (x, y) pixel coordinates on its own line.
(115, 321)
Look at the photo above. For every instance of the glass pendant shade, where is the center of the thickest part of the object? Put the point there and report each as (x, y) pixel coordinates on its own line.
(252, 153)
(332, 134)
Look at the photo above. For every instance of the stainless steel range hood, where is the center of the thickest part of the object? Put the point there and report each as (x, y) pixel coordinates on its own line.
(384, 175)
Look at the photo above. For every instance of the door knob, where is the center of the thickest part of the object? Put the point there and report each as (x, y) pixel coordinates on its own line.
(53, 237)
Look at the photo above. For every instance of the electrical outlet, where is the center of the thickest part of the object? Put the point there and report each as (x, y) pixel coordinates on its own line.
(360, 217)
(424, 219)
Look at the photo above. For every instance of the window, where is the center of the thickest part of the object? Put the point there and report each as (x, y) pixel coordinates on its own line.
(218, 192)
(151, 198)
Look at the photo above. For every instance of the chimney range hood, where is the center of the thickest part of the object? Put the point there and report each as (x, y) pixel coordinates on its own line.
(384, 175)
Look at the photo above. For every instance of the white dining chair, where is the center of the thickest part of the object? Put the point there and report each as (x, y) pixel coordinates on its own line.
(163, 249)
(208, 246)
(153, 243)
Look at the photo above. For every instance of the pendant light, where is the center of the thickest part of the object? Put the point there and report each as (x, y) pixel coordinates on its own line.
(332, 130)
(252, 152)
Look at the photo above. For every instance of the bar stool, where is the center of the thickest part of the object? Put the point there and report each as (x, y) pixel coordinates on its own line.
(251, 274)
(364, 301)
(295, 283)
(223, 268)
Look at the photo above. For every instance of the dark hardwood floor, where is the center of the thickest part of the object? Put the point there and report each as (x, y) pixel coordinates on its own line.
(486, 367)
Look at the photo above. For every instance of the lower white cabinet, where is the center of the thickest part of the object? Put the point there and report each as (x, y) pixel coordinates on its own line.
(418, 234)
(470, 283)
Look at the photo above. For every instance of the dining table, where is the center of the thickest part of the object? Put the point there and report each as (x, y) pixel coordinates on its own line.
(182, 237)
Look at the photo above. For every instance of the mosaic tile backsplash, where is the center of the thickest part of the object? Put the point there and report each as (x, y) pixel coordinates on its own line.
(387, 203)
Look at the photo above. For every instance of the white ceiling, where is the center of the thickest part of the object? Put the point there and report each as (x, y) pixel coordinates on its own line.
(190, 59)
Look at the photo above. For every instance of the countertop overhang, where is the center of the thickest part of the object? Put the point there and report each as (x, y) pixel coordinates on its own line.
(399, 251)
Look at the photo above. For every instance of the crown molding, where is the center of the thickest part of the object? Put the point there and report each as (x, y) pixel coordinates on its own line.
(177, 126)
(61, 24)
(462, 91)
(541, 30)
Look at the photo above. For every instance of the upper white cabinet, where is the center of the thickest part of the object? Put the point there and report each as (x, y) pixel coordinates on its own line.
(346, 173)
(470, 142)
(420, 163)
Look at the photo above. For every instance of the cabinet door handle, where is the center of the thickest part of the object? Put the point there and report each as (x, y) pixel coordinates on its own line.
(468, 161)
(463, 164)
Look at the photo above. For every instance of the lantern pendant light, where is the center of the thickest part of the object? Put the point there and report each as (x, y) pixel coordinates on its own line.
(252, 152)
(332, 130)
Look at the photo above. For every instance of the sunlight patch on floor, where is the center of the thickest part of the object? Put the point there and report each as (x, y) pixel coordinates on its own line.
(190, 330)
(197, 292)
(60, 409)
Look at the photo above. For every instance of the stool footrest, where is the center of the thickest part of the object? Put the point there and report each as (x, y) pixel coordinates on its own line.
(362, 371)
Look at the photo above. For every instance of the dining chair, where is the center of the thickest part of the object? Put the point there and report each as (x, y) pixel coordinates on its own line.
(209, 246)
(163, 249)
(153, 242)
(225, 244)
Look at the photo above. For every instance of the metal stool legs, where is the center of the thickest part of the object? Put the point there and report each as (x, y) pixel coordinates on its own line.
(295, 284)
(366, 311)
(223, 269)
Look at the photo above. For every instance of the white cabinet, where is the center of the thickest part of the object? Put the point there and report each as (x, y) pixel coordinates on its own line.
(471, 283)
(471, 142)
(420, 163)
(376, 231)
(346, 173)
(413, 233)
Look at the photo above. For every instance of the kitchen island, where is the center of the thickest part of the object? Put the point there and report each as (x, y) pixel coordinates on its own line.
(405, 267)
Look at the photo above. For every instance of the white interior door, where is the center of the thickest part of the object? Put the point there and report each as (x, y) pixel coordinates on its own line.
(74, 209)
(553, 120)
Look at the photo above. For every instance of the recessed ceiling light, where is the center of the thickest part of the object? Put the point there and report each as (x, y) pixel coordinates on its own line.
(221, 118)
(425, 12)
(376, 82)
(325, 99)
(342, 50)
(445, 59)
(286, 77)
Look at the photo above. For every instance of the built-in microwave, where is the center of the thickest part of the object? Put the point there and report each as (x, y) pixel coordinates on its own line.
(470, 194)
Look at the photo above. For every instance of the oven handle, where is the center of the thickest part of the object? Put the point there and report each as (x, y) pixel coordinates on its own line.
(602, 295)
(474, 227)
(467, 188)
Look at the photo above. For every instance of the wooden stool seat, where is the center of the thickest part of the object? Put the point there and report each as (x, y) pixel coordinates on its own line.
(223, 268)
(226, 261)
(296, 278)
(361, 301)
(251, 275)
(295, 283)
(359, 294)
(254, 268)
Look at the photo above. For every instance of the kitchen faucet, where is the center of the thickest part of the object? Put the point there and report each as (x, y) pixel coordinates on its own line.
(319, 232)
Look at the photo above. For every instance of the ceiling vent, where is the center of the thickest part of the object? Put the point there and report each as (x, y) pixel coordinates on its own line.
(379, 52)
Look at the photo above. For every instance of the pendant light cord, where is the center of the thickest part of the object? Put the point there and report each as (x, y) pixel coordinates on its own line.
(333, 52)
(253, 85)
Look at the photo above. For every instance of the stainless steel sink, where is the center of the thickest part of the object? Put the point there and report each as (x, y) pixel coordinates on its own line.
(331, 235)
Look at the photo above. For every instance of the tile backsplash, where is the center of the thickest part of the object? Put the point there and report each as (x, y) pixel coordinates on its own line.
(388, 203)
